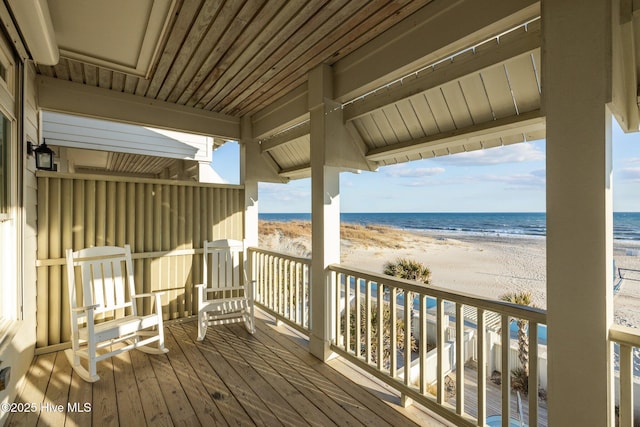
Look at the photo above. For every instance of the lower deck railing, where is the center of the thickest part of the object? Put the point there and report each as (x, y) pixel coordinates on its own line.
(442, 352)
(423, 351)
(282, 286)
(626, 341)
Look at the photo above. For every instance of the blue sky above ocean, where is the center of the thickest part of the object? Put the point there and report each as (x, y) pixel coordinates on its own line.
(501, 179)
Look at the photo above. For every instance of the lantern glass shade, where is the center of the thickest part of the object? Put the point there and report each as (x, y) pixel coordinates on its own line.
(44, 157)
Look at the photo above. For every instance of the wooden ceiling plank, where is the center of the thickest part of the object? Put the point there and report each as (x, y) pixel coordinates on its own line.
(440, 110)
(524, 83)
(375, 136)
(351, 34)
(408, 113)
(210, 44)
(62, 69)
(267, 56)
(457, 104)
(385, 128)
(186, 18)
(469, 63)
(235, 64)
(104, 78)
(76, 71)
(241, 31)
(498, 91)
(294, 32)
(476, 98)
(91, 75)
(424, 114)
(130, 83)
(117, 82)
(197, 33)
(531, 121)
(345, 26)
(252, 32)
(398, 125)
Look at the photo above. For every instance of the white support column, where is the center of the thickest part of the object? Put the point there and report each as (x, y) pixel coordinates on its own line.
(576, 82)
(250, 182)
(325, 214)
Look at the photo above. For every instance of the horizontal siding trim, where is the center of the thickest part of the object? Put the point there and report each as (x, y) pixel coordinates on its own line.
(94, 177)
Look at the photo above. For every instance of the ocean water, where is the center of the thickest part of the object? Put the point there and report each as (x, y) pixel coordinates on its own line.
(626, 225)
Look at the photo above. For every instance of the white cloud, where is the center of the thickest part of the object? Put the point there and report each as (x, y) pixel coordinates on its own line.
(516, 153)
(401, 171)
(630, 174)
(532, 179)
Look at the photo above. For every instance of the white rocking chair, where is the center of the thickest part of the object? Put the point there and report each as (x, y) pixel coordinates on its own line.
(226, 296)
(108, 291)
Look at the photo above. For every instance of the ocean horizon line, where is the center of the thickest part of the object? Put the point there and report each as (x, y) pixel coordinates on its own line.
(626, 225)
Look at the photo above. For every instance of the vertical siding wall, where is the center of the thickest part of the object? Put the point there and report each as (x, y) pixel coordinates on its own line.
(164, 222)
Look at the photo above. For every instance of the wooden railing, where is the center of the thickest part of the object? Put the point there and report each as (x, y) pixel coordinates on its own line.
(283, 286)
(628, 342)
(444, 319)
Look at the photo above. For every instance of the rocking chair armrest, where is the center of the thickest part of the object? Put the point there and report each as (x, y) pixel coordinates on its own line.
(200, 285)
(148, 294)
(86, 308)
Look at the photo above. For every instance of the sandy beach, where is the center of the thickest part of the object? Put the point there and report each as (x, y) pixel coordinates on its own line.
(483, 265)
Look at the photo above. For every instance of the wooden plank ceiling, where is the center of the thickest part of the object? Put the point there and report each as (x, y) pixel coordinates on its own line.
(238, 56)
(235, 56)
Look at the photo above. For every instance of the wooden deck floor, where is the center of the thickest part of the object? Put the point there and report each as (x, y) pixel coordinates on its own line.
(231, 378)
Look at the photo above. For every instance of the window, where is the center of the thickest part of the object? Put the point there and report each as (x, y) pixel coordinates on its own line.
(10, 283)
(5, 173)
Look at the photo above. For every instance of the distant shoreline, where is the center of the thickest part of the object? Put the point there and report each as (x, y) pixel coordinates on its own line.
(626, 224)
(484, 265)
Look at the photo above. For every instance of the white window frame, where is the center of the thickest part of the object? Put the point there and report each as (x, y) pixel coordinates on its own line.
(10, 285)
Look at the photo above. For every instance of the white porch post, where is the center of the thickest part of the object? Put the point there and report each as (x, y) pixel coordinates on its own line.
(325, 214)
(249, 150)
(576, 82)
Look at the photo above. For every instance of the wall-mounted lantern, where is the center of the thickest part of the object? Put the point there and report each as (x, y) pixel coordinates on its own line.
(44, 156)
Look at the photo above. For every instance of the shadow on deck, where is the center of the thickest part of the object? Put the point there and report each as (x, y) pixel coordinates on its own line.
(231, 378)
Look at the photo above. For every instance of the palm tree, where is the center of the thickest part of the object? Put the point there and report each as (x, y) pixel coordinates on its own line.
(374, 323)
(408, 269)
(411, 270)
(521, 375)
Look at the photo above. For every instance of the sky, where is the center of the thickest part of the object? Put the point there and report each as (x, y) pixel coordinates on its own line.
(501, 179)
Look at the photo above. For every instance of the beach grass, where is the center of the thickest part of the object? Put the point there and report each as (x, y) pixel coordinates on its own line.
(361, 235)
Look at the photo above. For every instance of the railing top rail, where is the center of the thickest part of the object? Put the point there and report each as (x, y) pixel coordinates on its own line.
(625, 335)
(533, 314)
(301, 260)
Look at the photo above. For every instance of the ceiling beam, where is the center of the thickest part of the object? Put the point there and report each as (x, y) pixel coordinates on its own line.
(434, 32)
(285, 112)
(296, 172)
(285, 137)
(523, 123)
(522, 43)
(75, 98)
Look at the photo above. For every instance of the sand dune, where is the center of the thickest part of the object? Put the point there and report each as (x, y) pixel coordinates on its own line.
(487, 266)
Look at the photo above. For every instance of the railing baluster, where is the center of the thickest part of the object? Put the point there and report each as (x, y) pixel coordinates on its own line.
(380, 326)
(347, 312)
(408, 309)
(505, 377)
(394, 331)
(626, 385)
(423, 344)
(368, 319)
(358, 317)
(459, 359)
(440, 349)
(482, 369)
(337, 279)
(299, 301)
(533, 374)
